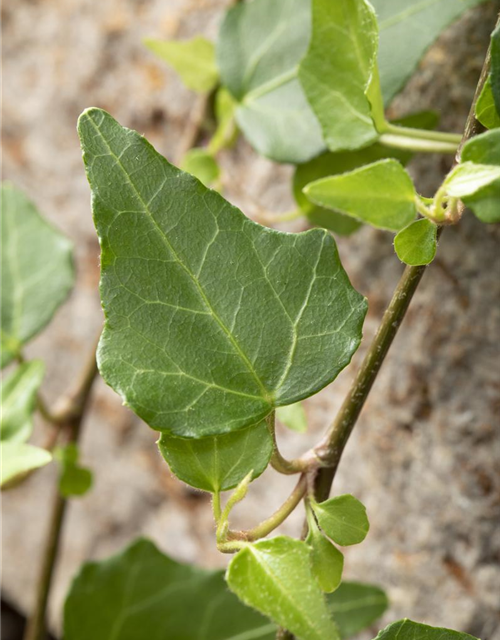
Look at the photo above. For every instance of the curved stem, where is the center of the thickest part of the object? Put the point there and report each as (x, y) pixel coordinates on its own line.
(421, 145)
(307, 462)
(425, 134)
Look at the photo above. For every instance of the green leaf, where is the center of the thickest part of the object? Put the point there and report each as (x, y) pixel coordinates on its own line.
(212, 321)
(339, 72)
(343, 519)
(274, 576)
(260, 46)
(293, 417)
(19, 391)
(468, 178)
(226, 133)
(200, 164)
(495, 67)
(486, 111)
(74, 480)
(143, 594)
(407, 29)
(218, 463)
(484, 149)
(18, 459)
(408, 630)
(416, 244)
(355, 606)
(381, 194)
(327, 562)
(194, 61)
(37, 271)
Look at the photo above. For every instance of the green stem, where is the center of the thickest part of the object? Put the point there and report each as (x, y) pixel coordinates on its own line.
(307, 462)
(419, 145)
(424, 134)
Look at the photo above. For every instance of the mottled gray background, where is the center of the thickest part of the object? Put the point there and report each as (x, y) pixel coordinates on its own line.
(425, 455)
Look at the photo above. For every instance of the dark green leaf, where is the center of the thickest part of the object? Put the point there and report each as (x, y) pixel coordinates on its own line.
(212, 321)
(260, 46)
(381, 194)
(18, 459)
(416, 244)
(218, 463)
(495, 67)
(408, 630)
(19, 391)
(293, 417)
(274, 576)
(355, 606)
(200, 164)
(37, 271)
(343, 519)
(327, 562)
(339, 73)
(141, 594)
(194, 61)
(486, 111)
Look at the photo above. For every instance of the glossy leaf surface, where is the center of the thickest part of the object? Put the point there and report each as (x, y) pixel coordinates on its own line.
(200, 164)
(141, 594)
(194, 61)
(408, 630)
(355, 606)
(381, 194)
(260, 46)
(327, 562)
(339, 71)
(19, 458)
(343, 519)
(37, 271)
(19, 391)
(416, 244)
(218, 463)
(274, 576)
(212, 321)
(293, 417)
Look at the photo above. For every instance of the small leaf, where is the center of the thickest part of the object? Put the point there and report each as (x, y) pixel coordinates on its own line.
(19, 391)
(468, 178)
(194, 61)
(260, 46)
(343, 519)
(226, 132)
(75, 480)
(408, 630)
(200, 164)
(327, 562)
(218, 463)
(381, 194)
(356, 606)
(486, 111)
(339, 72)
(142, 594)
(293, 417)
(416, 244)
(37, 271)
(274, 576)
(18, 459)
(212, 321)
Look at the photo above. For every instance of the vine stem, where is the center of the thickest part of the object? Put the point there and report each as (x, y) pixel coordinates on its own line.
(76, 406)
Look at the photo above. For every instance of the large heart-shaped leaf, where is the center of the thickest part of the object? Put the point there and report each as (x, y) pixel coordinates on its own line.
(260, 46)
(141, 594)
(37, 271)
(212, 321)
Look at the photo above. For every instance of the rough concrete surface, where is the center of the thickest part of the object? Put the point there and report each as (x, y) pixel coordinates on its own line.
(424, 457)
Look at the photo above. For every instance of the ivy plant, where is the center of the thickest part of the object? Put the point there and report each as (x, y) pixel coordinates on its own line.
(217, 326)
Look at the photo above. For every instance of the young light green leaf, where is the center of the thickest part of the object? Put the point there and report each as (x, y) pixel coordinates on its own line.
(468, 178)
(486, 111)
(327, 562)
(19, 391)
(194, 61)
(74, 480)
(381, 194)
(484, 149)
(274, 576)
(259, 48)
(343, 519)
(142, 593)
(37, 271)
(212, 321)
(201, 164)
(18, 459)
(355, 606)
(408, 630)
(218, 463)
(293, 417)
(226, 132)
(416, 244)
(407, 29)
(339, 72)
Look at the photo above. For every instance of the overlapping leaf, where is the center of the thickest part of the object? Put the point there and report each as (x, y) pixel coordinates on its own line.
(37, 271)
(355, 606)
(416, 244)
(212, 321)
(343, 519)
(409, 630)
(327, 562)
